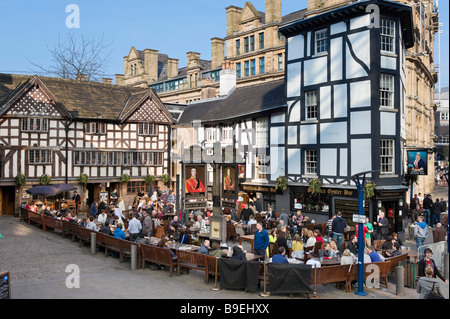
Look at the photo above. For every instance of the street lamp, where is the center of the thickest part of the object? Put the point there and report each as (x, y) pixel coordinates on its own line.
(361, 220)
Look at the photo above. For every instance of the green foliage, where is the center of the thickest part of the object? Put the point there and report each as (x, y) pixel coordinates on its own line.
(83, 179)
(125, 178)
(20, 179)
(281, 183)
(45, 179)
(369, 190)
(149, 179)
(165, 179)
(315, 186)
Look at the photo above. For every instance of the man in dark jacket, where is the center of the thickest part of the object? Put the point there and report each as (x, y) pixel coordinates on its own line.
(427, 205)
(338, 227)
(436, 210)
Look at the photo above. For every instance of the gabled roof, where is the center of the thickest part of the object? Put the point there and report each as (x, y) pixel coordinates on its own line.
(81, 100)
(243, 102)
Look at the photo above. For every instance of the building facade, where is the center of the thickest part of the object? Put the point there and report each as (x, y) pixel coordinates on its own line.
(66, 128)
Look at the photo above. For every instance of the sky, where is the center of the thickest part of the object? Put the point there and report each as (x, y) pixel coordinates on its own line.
(29, 27)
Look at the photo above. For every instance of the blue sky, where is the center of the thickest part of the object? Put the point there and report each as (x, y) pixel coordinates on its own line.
(173, 27)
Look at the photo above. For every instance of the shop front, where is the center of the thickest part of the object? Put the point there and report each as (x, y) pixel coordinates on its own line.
(392, 203)
(263, 196)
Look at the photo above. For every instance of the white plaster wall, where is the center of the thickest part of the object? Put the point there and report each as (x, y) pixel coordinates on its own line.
(360, 122)
(328, 162)
(333, 133)
(296, 47)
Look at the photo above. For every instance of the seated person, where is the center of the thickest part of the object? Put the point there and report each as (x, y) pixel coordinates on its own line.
(326, 251)
(251, 221)
(184, 237)
(313, 262)
(282, 241)
(353, 245)
(280, 258)
(164, 243)
(106, 229)
(391, 247)
(374, 256)
(204, 248)
(238, 253)
(118, 232)
(216, 251)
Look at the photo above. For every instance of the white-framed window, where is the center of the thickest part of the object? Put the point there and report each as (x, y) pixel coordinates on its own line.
(261, 166)
(210, 134)
(39, 156)
(387, 156)
(321, 41)
(94, 128)
(114, 158)
(262, 131)
(34, 125)
(387, 90)
(311, 162)
(147, 129)
(444, 116)
(388, 35)
(311, 105)
(227, 134)
(89, 158)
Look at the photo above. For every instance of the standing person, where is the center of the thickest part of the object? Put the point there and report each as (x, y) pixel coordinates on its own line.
(439, 233)
(338, 227)
(369, 232)
(427, 205)
(134, 227)
(114, 196)
(329, 226)
(436, 210)
(261, 241)
(147, 224)
(427, 284)
(245, 214)
(428, 261)
(420, 231)
(93, 209)
(76, 197)
(284, 217)
(382, 226)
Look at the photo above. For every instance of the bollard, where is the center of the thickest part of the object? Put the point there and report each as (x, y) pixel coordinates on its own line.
(133, 257)
(446, 266)
(400, 290)
(93, 243)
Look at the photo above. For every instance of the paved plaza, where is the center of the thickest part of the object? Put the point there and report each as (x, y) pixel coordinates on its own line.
(37, 264)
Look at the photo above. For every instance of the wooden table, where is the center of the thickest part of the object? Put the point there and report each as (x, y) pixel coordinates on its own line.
(250, 238)
(174, 245)
(249, 256)
(329, 262)
(350, 230)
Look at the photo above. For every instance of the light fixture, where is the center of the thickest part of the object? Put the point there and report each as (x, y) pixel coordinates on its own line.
(379, 204)
(400, 202)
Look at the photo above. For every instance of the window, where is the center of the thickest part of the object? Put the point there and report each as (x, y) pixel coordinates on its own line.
(444, 116)
(147, 129)
(158, 87)
(114, 158)
(311, 105)
(246, 68)
(280, 61)
(210, 133)
(321, 41)
(238, 70)
(238, 47)
(387, 35)
(253, 67)
(387, 90)
(246, 45)
(34, 125)
(261, 40)
(386, 156)
(261, 166)
(311, 162)
(227, 134)
(137, 187)
(252, 43)
(280, 36)
(39, 156)
(262, 129)
(94, 128)
(261, 66)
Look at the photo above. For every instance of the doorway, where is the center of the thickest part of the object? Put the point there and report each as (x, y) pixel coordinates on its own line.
(7, 200)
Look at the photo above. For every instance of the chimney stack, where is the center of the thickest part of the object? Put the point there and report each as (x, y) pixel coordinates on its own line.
(172, 68)
(107, 80)
(119, 79)
(217, 52)
(273, 11)
(233, 19)
(193, 59)
(151, 64)
(227, 77)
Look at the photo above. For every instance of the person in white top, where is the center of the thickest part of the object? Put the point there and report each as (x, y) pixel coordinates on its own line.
(311, 239)
(121, 204)
(102, 218)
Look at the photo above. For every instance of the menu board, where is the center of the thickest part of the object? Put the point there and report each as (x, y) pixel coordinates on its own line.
(5, 288)
(349, 207)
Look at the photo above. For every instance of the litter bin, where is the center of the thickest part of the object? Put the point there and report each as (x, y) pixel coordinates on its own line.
(411, 232)
(410, 274)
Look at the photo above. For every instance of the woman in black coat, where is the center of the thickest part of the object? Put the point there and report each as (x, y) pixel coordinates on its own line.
(428, 261)
(238, 254)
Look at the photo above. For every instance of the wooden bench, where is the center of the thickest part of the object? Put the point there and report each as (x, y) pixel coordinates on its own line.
(84, 235)
(396, 261)
(70, 228)
(101, 240)
(156, 255)
(36, 218)
(330, 274)
(23, 214)
(383, 267)
(191, 260)
(211, 266)
(52, 223)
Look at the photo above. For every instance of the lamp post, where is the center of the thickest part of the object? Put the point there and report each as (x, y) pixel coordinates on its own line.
(360, 187)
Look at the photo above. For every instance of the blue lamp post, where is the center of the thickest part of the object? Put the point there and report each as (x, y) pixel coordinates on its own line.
(360, 188)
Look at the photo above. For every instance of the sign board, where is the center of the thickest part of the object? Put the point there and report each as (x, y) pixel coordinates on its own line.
(359, 219)
(5, 286)
(104, 196)
(418, 162)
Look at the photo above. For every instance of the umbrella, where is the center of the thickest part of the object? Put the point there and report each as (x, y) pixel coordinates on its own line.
(45, 190)
(65, 187)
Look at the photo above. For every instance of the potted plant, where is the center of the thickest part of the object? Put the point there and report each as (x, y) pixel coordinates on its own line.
(165, 179)
(20, 179)
(45, 179)
(281, 183)
(369, 190)
(125, 178)
(149, 179)
(314, 186)
(83, 179)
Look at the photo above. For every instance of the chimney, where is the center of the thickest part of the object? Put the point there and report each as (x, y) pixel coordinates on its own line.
(81, 77)
(314, 4)
(151, 64)
(273, 11)
(107, 80)
(227, 77)
(119, 79)
(172, 68)
(208, 90)
(192, 59)
(233, 19)
(217, 52)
